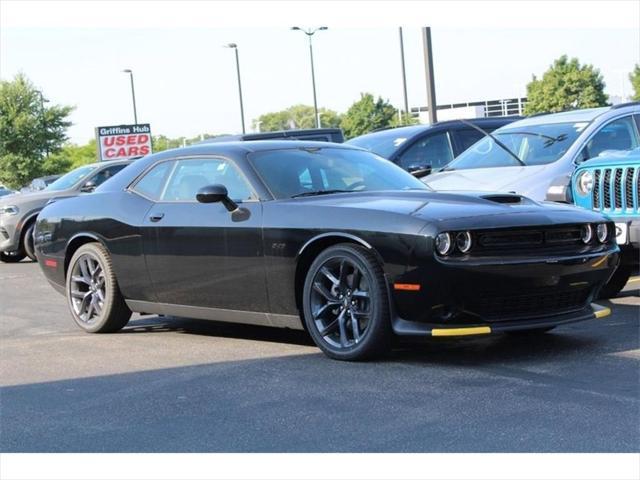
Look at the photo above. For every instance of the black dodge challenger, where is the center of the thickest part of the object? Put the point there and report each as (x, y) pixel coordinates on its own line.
(325, 237)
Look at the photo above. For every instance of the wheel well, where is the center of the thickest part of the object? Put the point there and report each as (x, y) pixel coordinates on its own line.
(309, 254)
(73, 246)
(25, 226)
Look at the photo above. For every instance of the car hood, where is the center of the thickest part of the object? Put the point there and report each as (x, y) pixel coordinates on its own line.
(499, 179)
(473, 208)
(34, 198)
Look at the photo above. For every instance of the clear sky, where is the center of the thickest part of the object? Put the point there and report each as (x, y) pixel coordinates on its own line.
(186, 84)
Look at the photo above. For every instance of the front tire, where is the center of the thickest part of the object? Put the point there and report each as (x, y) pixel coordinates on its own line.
(93, 295)
(346, 305)
(27, 243)
(12, 257)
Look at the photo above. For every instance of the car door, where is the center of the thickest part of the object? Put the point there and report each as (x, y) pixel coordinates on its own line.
(433, 151)
(200, 254)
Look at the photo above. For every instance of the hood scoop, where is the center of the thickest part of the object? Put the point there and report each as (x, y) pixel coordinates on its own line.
(504, 198)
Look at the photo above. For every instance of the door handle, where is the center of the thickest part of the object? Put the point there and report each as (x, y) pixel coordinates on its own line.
(156, 217)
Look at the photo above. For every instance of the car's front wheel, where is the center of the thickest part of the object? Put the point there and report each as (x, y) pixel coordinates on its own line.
(93, 295)
(27, 243)
(12, 257)
(345, 302)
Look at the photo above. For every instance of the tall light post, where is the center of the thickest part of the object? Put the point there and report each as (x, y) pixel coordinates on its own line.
(133, 95)
(235, 47)
(43, 120)
(404, 79)
(309, 32)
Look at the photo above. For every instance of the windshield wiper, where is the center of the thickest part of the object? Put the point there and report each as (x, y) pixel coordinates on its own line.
(319, 192)
(498, 142)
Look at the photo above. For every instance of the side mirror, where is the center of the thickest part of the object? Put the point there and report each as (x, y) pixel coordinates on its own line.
(419, 171)
(215, 194)
(560, 190)
(88, 187)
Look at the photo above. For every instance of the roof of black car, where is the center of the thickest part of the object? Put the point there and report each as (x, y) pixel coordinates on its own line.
(253, 146)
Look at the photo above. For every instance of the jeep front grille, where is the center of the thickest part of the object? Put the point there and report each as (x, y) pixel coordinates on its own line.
(616, 189)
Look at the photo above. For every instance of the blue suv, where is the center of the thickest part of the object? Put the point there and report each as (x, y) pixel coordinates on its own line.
(610, 184)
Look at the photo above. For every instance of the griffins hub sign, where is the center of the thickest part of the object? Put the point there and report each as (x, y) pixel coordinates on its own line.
(123, 141)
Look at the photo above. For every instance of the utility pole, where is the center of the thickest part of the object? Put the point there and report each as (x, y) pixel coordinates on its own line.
(428, 70)
(404, 79)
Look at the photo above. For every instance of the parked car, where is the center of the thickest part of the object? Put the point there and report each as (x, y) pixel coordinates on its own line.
(5, 191)
(610, 184)
(325, 237)
(536, 156)
(334, 135)
(39, 183)
(18, 212)
(422, 149)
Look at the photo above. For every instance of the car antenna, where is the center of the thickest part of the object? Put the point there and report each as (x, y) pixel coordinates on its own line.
(498, 142)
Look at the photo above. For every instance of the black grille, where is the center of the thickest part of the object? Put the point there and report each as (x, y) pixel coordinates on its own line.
(628, 187)
(539, 304)
(501, 240)
(596, 190)
(617, 188)
(606, 189)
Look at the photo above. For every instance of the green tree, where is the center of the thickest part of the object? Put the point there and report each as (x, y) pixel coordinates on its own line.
(368, 114)
(296, 117)
(635, 82)
(29, 130)
(566, 85)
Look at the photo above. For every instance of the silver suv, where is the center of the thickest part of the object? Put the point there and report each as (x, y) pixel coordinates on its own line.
(18, 212)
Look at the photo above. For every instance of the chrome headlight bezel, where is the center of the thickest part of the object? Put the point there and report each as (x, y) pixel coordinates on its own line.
(443, 243)
(586, 233)
(584, 183)
(464, 241)
(602, 232)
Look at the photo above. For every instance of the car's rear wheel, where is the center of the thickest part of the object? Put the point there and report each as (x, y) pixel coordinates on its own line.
(93, 295)
(12, 257)
(345, 303)
(27, 243)
(616, 283)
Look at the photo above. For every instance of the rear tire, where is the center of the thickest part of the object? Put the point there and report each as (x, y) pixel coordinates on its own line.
(616, 283)
(92, 292)
(12, 257)
(346, 304)
(27, 243)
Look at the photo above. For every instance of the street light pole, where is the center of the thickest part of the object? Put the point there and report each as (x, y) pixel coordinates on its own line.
(309, 32)
(133, 96)
(404, 78)
(235, 47)
(43, 119)
(428, 70)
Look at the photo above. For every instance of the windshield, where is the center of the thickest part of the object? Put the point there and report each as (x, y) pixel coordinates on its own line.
(385, 142)
(300, 171)
(70, 179)
(533, 144)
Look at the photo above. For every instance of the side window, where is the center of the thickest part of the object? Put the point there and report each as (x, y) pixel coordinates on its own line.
(620, 134)
(105, 174)
(191, 175)
(467, 137)
(433, 150)
(152, 184)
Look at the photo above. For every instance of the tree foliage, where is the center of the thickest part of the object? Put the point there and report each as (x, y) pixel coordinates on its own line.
(29, 130)
(634, 76)
(368, 114)
(566, 85)
(296, 117)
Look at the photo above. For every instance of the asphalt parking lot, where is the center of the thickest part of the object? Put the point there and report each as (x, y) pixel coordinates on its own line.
(165, 385)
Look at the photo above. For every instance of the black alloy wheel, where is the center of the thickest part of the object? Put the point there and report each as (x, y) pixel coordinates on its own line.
(93, 295)
(345, 302)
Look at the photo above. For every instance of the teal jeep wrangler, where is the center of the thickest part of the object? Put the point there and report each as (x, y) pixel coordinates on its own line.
(610, 184)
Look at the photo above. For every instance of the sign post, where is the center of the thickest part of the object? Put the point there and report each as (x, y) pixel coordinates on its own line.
(123, 141)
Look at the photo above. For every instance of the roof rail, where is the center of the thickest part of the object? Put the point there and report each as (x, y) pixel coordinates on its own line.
(627, 104)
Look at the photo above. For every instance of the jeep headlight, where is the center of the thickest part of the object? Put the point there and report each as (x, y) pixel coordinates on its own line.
(585, 183)
(9, 210)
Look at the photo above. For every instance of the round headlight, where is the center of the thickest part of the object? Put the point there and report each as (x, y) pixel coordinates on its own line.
(443, 243)
(586, 233)
(463, 241)
(602, 232)
(585, 183)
